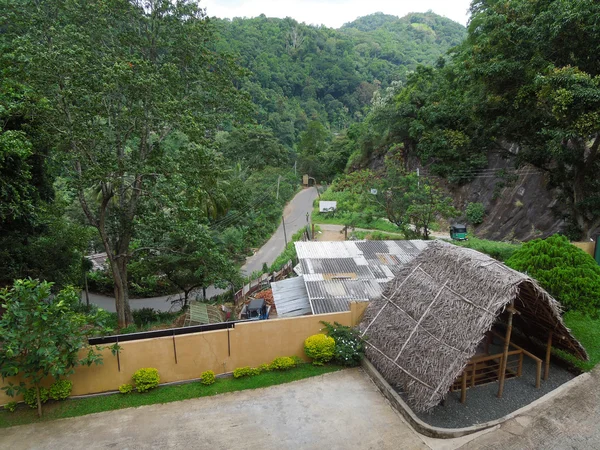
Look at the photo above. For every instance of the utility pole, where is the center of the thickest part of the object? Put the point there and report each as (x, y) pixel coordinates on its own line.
(278, 180)
(295, 162)
(284, 233)
(418, 179)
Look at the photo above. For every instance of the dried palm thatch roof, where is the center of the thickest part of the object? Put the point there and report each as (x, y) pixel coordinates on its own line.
(433, 315)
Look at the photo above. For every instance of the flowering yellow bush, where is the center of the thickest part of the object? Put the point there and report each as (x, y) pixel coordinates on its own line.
(320, 348)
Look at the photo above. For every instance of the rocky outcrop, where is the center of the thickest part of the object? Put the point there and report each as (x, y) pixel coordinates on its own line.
(519, 203)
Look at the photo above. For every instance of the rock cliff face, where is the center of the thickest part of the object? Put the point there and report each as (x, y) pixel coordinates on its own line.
(519, 204)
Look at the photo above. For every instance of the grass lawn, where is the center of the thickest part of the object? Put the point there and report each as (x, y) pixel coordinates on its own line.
(378, 224)
(587, 331)
(162, 394)
(496, 249)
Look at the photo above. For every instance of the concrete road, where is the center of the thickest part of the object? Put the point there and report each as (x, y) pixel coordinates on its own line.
(295, 218)
(570, 420)
(342, 410)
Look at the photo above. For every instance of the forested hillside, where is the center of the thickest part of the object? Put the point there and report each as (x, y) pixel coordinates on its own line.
(301, 74)
(508, 121)
(167, 140)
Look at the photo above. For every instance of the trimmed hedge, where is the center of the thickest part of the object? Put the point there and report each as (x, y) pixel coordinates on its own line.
(320, 348)
(565, 271)
(146, 379)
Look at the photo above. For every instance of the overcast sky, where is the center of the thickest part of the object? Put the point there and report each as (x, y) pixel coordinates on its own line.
(334, 13)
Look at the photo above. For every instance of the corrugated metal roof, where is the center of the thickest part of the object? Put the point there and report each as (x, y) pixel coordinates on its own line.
(336, 273)
(291, 298)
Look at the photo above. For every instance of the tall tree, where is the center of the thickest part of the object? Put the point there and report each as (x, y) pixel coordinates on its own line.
(120, 77)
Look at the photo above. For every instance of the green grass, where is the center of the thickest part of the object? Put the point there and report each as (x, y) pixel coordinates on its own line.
(496, 249)
(162, 394)
(377, 224)
(587, 331)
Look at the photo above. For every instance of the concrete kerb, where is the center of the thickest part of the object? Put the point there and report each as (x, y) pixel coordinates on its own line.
(448, 433)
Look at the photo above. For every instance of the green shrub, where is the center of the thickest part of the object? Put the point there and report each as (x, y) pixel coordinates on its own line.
(283, 363)
(264, 367)
(349, 346)
(61, 389)
(246, 371)
(475, 213)
(146, 379)
(207, 378)
(11, 406)
(320, 348)
(125, 389)
(565, 271)
(30, 398)
(501, 251)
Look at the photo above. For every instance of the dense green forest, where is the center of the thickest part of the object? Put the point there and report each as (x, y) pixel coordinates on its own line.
(146, 130)
(524, 84)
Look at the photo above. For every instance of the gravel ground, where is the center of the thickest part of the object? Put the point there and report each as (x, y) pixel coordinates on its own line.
(482, 405)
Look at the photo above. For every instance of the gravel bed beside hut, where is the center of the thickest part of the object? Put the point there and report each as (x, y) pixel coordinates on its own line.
(482, 405)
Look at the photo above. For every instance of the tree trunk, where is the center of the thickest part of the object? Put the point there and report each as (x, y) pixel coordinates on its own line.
(39, 400)
(119, 271)
(87, 293)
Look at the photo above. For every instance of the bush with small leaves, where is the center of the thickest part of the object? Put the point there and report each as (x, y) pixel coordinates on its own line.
(475, 213)
(30, 398)
(146, 379)
(283, 363)
(207, 378)
(320, 348)
(246, 371)
(61, 389)
(11, 406)
(125, 389)
(349, 346)
(264, 368)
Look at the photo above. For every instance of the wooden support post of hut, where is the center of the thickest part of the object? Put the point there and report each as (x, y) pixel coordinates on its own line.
(511, 310)
(548, 352)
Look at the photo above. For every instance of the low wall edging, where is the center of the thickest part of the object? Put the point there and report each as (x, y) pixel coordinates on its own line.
(448, 433)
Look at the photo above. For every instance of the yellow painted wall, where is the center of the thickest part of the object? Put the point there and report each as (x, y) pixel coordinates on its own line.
(587, 247)
(250, 344)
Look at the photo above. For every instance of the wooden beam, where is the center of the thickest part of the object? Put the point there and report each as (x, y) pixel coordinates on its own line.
(548, 352)
(505, 353)
(463, 388)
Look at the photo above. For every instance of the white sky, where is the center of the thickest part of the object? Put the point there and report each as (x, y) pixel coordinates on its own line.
(334, 13)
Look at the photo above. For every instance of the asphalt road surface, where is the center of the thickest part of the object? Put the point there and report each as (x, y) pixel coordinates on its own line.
(295, 218)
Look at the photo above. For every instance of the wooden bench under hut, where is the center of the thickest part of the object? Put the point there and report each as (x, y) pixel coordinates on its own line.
(447, 320)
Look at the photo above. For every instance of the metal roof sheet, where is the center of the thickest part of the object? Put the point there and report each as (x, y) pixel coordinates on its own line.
(336, 273)
(291, 298)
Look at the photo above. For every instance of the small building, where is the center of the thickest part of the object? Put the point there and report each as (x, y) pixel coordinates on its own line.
(428, 332)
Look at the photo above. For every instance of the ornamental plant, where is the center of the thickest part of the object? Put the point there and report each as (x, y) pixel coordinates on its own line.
(283, 363)
(146, 379)
(349, 346)
(320, 348)
(245, 371)
(41, 336)
(11, 406)
(125, 389)
(568, 273)
(61, 389)
(30, 397)
(207, 378)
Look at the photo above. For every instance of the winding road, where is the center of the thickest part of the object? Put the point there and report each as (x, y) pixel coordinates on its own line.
(294, 218)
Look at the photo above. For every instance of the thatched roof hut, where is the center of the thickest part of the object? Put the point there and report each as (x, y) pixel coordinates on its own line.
(431, 318)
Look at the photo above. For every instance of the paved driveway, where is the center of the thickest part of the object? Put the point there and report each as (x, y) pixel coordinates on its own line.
(342, 410)
(571, 420)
